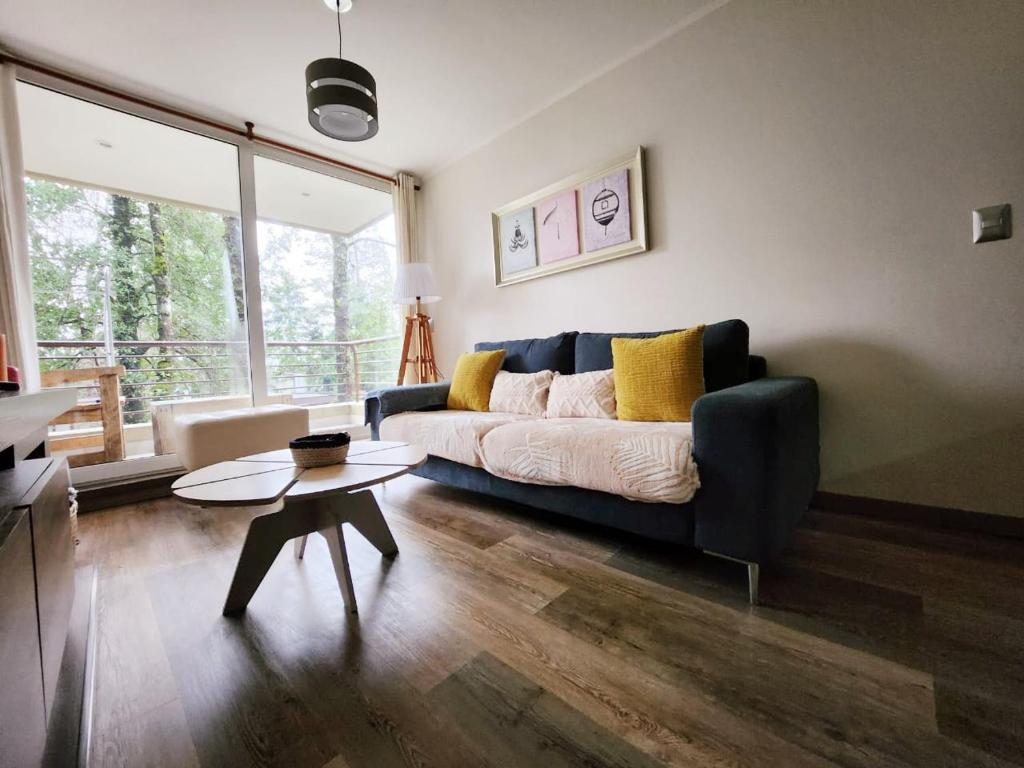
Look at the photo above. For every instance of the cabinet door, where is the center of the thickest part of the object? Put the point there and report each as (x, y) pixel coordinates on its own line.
(22, 714)
(55, 569)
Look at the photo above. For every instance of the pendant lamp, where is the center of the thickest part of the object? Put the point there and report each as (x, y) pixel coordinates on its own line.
(340, 94)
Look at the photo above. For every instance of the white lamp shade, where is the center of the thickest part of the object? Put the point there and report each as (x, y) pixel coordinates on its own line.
(415, 281)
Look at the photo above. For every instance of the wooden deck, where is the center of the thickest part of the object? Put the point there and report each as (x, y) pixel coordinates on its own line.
(497, 638)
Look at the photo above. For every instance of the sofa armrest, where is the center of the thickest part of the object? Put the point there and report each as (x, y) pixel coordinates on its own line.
(756, 447)
(757, 367)
(382, 403)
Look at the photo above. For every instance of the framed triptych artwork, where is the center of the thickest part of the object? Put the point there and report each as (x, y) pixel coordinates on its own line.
(584, 219)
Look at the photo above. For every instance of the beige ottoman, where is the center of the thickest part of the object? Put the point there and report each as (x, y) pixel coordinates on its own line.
(206, 438)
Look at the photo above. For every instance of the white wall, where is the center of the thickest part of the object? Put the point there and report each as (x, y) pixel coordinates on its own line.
(812, 167)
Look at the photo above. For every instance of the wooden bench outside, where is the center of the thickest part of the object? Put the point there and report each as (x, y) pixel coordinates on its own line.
(106, 411)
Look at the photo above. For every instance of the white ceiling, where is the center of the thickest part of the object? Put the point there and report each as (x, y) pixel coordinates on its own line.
(451, 74)
(117, 152)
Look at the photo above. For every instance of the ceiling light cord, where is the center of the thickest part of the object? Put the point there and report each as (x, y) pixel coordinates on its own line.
(339, 29)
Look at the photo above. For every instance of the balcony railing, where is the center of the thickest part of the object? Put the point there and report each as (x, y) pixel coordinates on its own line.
(312, 372)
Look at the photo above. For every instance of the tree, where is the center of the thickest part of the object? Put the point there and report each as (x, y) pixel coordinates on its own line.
(340, 300)
(160, 272)
(127, 276)
(129, 304)
(233, 249)
(68, 261)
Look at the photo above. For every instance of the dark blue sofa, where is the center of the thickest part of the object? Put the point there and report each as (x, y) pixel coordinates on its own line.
(755, 443)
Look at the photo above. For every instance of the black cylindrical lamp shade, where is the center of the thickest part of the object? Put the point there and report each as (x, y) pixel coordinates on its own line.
(342, 99)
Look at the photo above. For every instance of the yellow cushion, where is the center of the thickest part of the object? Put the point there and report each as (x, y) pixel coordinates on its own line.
(473, 379)
(658, 379)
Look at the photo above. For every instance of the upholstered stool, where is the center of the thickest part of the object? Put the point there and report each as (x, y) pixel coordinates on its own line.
(207, 438)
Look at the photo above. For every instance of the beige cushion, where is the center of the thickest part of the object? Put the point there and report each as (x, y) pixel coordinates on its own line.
(525, 393)
(206, 438)
(588, 395)
(165, 412)
(452, 435)
(645, 461)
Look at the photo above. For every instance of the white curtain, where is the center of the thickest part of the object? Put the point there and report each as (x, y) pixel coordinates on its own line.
(406, 223)
(17, 317)
(407, 236)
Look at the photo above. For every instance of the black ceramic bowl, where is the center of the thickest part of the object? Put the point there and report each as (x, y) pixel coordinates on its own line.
(333, 440)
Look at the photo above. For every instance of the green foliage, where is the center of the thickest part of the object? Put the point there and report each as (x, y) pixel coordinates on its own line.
(75, 234)
(130, 267)
(85, 243)
(68, 259)
(200, 279)
(295, 277)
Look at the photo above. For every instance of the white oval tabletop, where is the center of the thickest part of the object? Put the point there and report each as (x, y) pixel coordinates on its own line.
(266, 477)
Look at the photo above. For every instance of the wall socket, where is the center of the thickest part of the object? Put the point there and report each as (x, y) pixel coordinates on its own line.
(992, 223)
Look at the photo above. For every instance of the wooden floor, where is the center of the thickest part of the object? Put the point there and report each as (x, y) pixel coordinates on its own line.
(497, 638)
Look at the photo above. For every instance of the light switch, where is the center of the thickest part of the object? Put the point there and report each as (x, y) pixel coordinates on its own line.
(992, 223)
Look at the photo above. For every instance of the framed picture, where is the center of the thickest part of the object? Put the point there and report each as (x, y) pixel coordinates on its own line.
(584, 219)
(518, 242)
(558, 234)
(606, 211)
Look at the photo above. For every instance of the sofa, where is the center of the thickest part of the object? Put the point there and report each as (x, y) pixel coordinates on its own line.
(754, 444)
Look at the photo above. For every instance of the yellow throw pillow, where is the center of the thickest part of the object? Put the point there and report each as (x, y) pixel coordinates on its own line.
(659, 378)
(473, 379)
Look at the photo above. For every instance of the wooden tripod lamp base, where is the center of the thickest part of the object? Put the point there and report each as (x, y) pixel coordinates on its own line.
(419, 340)
(415, 284)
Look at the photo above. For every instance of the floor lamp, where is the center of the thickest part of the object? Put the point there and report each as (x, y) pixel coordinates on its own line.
(416, 286)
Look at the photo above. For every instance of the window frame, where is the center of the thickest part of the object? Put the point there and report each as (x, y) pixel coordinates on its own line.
(247, 151)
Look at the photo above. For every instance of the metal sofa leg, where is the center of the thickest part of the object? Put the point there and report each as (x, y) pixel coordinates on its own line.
(753, 574)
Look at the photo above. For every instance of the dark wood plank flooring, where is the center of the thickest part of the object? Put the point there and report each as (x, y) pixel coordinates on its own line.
(499, 637)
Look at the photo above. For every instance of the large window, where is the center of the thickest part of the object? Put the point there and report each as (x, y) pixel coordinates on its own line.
(138, 249)
(327, 266)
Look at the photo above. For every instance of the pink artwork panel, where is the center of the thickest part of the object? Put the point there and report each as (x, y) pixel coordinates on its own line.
(558, 235)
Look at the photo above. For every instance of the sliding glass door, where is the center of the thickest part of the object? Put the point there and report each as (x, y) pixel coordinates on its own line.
(327, 266)
(203, 275)
(135, 245)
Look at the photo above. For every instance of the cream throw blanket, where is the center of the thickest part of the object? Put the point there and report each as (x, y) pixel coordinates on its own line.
(643, 461)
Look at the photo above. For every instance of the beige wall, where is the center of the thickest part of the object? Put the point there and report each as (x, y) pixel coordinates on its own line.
(812, 166)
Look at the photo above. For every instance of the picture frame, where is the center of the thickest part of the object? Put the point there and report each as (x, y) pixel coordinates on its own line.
(612, 195)
(518, 240)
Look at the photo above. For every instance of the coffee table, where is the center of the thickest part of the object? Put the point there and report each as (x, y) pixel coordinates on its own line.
(317, 500)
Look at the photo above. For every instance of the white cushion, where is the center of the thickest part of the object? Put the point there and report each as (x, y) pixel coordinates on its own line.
(525, 393)
(452, 435)
(202, 439)
(588, 395)
(644, 461)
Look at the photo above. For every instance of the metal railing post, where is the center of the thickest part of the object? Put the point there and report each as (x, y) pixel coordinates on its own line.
(353, 374)
(108, 319)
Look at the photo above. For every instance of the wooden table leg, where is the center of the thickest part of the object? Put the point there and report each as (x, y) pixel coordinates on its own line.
(362, 510)
(262, 543)
(339, 556)
(269, 532)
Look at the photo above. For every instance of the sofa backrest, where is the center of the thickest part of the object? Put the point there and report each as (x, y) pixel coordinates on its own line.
(726, 353)
(555, 353)
(726, 349)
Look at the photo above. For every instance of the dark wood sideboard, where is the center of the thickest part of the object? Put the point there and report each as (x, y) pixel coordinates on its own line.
(45, 605)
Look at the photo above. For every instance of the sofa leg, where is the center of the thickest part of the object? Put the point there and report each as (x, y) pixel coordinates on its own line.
(753, 574)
